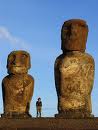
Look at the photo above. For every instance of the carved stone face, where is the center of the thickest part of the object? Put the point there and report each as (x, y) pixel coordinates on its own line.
(74, 35)
(18, 62)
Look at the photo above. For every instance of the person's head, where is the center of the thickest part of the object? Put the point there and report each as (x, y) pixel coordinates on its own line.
(39, 99)
(74, 35)
(18, 62)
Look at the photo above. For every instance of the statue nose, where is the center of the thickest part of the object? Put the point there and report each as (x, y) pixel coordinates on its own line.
(73, 28)
(17, 61)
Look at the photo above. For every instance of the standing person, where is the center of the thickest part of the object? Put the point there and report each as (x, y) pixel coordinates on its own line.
(39, 107)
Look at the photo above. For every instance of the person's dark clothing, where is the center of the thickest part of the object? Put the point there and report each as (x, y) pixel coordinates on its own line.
(38, 103)
(38, 108)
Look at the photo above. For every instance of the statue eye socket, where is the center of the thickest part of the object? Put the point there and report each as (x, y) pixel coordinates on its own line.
(12, 58)
(24, 56)
(65, 28)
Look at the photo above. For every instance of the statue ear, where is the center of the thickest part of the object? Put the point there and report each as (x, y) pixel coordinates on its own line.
(10, 59)
(29, 62)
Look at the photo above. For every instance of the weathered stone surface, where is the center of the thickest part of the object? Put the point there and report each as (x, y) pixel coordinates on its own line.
(74, 75)
(18, 86)
(74, 35)
(49, 124)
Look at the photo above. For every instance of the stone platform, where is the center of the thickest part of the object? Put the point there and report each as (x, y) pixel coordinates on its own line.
(48, 124)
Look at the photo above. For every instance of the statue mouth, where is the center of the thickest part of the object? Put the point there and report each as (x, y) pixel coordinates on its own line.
(18, 69)
(17, 66)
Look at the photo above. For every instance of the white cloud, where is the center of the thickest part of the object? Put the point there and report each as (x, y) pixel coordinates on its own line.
(38, 51)
(15, 42)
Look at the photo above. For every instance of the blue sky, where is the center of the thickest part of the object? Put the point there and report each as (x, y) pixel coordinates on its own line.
(35, 26)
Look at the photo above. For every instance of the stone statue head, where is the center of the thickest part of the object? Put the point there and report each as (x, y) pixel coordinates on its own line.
(74, 35)
(18, 62)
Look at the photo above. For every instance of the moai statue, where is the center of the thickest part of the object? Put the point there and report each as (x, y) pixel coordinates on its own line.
(74, 72)
(18, 86)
